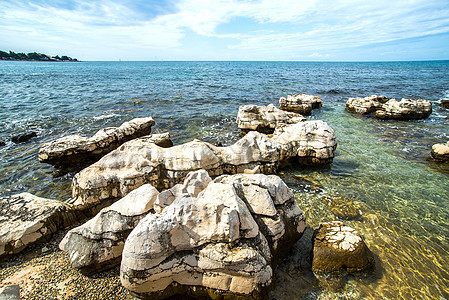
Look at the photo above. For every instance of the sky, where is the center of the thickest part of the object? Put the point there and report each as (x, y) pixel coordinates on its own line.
(261, 30)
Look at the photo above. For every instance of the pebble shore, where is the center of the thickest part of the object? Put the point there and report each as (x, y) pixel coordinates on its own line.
(43, 271)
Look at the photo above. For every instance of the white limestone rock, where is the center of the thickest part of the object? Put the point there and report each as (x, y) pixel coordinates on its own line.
(406, 109)
(194, 183)
(74, 149)
(97, 245)
(365, 105)
(136, 163)
(308, 143)
(26, 219)
(440, 152)
(215, 243)
(265, 118)
(301, 103)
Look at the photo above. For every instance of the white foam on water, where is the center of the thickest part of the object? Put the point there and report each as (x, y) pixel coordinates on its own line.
(105, 116)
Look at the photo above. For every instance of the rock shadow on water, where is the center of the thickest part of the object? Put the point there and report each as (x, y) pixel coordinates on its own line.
(303, 183)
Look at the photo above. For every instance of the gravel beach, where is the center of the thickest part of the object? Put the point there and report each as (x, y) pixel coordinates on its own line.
(44, 272)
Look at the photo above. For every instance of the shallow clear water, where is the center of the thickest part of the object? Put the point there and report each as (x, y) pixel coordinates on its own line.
(383, 166)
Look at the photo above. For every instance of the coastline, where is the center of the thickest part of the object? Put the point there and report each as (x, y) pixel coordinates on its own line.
(383, 165)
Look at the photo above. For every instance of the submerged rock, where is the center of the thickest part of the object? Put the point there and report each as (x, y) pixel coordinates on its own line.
(444, 103)
(440, 152)
(138, 162)
(338, 248)
(406, 109)
(97, 245)
(23, 138)
(342, 207)
(26, 219)
(223, 243)
(74, 149)
(265, 118)
(10, 292)
(301, 103)
(365, 105)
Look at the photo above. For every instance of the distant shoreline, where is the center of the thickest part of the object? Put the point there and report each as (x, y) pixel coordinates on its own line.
(34, 56)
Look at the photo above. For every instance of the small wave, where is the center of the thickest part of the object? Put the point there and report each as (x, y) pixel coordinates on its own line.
(108, 116)
(332, 91)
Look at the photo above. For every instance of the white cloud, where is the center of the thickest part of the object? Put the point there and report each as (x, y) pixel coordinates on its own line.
(296, 27)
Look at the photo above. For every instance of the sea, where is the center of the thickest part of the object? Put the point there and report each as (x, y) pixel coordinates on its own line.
(383, 168)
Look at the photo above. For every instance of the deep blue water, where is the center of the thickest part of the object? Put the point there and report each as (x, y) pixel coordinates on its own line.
(385, 166)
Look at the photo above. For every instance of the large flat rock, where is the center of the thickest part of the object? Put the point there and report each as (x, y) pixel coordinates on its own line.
(26, 219)
(75, 149)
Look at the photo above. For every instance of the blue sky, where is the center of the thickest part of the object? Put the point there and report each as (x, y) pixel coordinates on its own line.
(304, 30)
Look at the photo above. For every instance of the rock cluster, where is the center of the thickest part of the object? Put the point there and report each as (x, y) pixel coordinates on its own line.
(301, 103)
(26, 219)
(138, 162)
(97, 245)
(75, 149)
(265, 118)
(440, 152)
(223, 243)
(385, 108)
(338, 248)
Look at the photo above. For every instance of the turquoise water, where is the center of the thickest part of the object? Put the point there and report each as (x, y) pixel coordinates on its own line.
(383, 167)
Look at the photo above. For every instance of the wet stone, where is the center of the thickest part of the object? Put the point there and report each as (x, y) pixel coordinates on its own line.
(308, 184)
(10, 292)
(23, 138)
(440, 152)
(338, 248)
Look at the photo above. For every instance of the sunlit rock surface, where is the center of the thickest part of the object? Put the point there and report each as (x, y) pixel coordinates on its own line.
(74, 149)
(137, 162)
(301, 103)
(406, 109)
(440, 152)
(365, 105)
(223, 243)
(97, 245)
(26, 219)
(265, 118)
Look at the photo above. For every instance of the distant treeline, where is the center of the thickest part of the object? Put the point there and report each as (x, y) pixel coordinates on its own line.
(33, 56)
